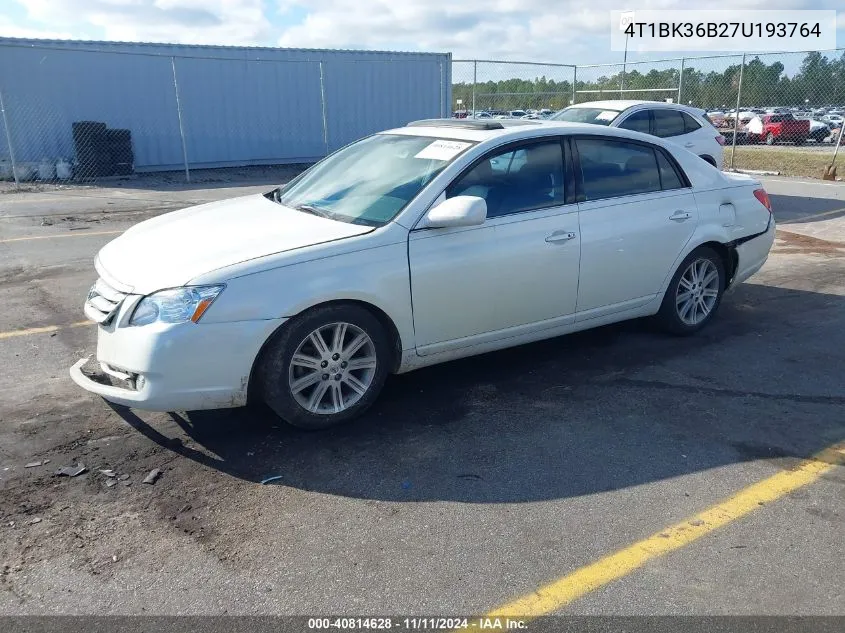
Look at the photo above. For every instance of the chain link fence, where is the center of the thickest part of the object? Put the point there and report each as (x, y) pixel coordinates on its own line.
(790, 105)
(79, 115)
(91, 116)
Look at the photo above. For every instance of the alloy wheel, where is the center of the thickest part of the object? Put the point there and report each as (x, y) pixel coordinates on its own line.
(698, 291)
(332, 368)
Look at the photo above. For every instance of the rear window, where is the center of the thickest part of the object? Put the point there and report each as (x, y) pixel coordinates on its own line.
(668, 123)
(599, 116)
(778, 118)
(669, 176)
(612, 168)
(690, 124)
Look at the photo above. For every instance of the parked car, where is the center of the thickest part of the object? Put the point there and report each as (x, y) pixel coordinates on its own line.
(772, 128)
(819, 130)
(685, 126)
(413, 247)
(836, 119)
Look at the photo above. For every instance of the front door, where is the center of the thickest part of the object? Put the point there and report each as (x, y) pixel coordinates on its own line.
(516, 272)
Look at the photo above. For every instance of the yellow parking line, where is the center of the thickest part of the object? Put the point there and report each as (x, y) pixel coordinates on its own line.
(561, 592)
(43, 330)
(815, 215)
(50, 237)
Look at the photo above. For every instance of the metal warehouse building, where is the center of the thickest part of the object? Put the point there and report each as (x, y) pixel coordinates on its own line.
(209, 106)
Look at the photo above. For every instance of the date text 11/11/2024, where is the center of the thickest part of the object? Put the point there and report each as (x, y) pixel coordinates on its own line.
(417, 623)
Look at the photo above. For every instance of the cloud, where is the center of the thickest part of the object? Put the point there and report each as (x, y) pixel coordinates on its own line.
(8, 28)
(564, 31)
(232, 22)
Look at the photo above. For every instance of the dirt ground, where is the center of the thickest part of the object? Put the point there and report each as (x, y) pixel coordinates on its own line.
(468, 484)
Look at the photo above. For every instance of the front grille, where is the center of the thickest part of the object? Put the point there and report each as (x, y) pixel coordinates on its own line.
(103, 302)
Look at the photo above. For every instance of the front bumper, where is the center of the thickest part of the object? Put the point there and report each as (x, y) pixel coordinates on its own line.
(174, 367)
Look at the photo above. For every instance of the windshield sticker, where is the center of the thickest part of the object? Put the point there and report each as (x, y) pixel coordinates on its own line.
(607, 115)
(443, 150)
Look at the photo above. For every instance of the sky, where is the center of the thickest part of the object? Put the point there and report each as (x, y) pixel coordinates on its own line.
(562, 31)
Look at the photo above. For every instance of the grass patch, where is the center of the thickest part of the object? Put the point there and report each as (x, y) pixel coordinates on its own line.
(787, 161)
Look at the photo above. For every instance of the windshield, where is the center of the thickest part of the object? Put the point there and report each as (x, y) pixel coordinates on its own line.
(370, 181)
(599, 116)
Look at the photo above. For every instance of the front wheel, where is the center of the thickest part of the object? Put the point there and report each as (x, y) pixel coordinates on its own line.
(694, 294)
(770, 139)
(325, 367)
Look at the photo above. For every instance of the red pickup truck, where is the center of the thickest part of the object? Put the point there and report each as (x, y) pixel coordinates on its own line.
(769, 128)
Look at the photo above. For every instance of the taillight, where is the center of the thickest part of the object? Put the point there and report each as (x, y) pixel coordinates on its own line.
(720, 139)
(763, 197)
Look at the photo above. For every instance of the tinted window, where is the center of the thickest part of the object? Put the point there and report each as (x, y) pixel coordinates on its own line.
(616, 168)
(575, 114)
(668, 123)
(690, 124)
(530, 177)
(639, 122)
(669, 176)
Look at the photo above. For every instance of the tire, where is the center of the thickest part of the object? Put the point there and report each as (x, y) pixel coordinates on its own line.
(674, 316)
(770, 139)
(323, 400)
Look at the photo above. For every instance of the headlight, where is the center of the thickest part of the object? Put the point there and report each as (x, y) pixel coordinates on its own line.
(175, 306)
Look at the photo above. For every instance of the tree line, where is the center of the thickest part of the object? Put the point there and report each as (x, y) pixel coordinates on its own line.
(820, 81)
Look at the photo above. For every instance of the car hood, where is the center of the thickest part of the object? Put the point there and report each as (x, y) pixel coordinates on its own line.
(171, 249)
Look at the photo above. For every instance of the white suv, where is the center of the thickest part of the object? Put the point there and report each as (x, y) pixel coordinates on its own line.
(688, 127)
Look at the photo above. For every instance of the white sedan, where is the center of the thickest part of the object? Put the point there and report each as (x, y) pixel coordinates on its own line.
(411, 247)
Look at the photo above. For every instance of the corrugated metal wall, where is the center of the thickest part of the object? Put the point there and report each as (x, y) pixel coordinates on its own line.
(237, 105)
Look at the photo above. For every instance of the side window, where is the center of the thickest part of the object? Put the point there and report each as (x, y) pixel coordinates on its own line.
(638, 121)
(669, 176)
(616, 168)
(530, 177)
(690, 124)
(668, 123)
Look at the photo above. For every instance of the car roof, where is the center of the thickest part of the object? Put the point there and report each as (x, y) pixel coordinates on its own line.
(454, 129)
(624, 104)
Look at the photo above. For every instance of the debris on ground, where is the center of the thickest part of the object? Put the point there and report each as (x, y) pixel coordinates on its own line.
(123, 477)
(34, 464)
(35, 520)
(111, 482)
(267, 480)
(153, 476)
(72, 471)
(108, 472)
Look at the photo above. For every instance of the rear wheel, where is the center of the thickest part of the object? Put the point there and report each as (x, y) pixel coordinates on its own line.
(694, 294)
(326, 366)
(770, 139)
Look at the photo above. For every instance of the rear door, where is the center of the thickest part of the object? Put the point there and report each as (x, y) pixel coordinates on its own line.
(636, 212)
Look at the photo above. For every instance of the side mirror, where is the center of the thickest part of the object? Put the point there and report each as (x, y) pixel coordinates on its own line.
(457, 211)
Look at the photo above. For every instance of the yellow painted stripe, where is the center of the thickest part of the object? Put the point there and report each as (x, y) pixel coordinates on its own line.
(814, 216)
(50, 237)
(43, 330)
(561, 592)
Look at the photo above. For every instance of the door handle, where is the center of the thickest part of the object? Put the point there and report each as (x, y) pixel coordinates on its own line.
(689, 145)
(680, 216)
(560, 236)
